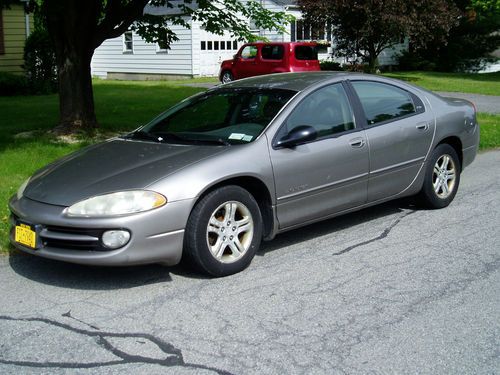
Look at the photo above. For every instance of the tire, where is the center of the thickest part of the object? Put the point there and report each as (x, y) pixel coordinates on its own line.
(223, 232)
(226, 76)
(442, 177)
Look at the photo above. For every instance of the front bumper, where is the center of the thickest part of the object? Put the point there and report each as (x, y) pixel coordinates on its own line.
(156, 236)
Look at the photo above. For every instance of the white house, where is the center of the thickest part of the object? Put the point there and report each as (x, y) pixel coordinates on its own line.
(197, 52)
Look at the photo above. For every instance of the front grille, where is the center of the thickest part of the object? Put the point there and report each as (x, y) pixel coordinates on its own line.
(58, 237)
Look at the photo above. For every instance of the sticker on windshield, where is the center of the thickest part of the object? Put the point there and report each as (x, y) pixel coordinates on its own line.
(238, 136)
(247, 138)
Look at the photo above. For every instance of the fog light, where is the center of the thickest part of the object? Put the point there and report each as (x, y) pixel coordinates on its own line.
(113, 239)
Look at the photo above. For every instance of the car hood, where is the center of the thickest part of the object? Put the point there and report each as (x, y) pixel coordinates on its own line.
(111, 166)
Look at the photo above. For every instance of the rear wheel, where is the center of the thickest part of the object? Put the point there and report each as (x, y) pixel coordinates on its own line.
(227, 76)
(442, 177)
(223, 232)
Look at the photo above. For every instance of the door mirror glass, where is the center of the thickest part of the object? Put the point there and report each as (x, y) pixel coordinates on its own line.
(297, 136)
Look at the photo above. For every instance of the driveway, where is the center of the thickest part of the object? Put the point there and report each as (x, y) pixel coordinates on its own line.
(391, 289)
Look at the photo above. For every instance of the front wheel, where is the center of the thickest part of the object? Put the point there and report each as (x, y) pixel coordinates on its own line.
(227, 77)
(442, 177)
(223, 231)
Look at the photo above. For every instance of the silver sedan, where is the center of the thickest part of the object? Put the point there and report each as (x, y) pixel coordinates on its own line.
(208, 179)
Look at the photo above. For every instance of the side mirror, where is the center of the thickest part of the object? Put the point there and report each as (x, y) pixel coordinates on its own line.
(297, 136)
(236, 57)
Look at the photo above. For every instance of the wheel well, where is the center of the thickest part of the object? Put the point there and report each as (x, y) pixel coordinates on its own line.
(260, 193)
(456, 144)
(223, 71)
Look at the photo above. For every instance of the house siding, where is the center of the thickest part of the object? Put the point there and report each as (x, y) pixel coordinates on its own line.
(110, 59)
(14, 38)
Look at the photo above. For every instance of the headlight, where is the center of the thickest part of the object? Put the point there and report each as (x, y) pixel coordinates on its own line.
(21, 189)
(120, 203)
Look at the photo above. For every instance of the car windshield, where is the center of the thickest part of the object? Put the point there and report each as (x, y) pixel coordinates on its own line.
(219, 117)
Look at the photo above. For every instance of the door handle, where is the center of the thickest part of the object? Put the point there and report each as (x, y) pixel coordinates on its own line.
(357, 142)
(422, 126)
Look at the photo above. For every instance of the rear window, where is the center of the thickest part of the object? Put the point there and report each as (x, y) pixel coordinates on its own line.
(306, 53)
(272, 52)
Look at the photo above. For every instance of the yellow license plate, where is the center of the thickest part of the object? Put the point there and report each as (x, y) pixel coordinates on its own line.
(25, 235)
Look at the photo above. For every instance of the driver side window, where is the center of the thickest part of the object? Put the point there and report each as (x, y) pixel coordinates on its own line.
(327, 110)
(249, 52)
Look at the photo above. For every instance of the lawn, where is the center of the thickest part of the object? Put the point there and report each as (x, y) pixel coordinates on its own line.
(486, 84)
(123, 106)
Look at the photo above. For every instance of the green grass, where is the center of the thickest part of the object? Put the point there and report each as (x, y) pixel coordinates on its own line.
(490, 131)
(122, 106)
(486, 84)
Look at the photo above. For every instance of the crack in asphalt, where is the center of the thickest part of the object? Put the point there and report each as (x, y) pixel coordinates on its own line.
(381, 236)
(68, 315)
(174, 355)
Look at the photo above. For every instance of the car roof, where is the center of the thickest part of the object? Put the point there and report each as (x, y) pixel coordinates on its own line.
(287, 81)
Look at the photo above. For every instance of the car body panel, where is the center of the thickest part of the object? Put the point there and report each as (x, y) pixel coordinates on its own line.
(337, 181)
(306, 183)
(118, 164)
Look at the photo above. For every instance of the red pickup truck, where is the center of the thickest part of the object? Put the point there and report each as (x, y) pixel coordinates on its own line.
(260, 58)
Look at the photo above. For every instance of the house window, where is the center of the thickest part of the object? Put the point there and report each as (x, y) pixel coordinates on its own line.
(228, 44)
(216, 45)
(2, 45)
(252, 25)
(235, 44)
(209, 46)
(222, 45)
(203, 45)
(128, 42)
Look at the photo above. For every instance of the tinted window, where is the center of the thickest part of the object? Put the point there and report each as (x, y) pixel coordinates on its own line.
(249, 52)
(272, 52)
(231, 115)
(382, 102)
(306, 53)
(327, 110)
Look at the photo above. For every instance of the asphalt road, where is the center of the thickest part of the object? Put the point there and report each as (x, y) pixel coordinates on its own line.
(391, 289)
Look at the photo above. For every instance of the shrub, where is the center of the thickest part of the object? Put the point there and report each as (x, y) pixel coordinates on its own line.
(330, 65)
(40, 62)
(410, 61)
(13, 84)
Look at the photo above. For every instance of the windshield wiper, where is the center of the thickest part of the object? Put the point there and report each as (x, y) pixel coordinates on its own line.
(217, 141)
(165, 137)
(140, 134)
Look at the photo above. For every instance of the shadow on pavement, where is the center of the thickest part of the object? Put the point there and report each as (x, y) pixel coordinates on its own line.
(75, 276)
(336, 224)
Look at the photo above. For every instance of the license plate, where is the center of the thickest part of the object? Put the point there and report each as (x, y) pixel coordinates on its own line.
(25, 235)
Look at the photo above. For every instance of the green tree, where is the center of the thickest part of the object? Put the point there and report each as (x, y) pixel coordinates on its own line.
(367, 27)
(470, 43)
(78, 27)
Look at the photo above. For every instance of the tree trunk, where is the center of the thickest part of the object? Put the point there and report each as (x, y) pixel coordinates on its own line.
(71, 25)
(76, 98)
(372, 59)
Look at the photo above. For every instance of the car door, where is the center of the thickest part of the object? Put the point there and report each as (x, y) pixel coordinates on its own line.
(399, 131)
(245, 64)
(327, 175)
(272, 59)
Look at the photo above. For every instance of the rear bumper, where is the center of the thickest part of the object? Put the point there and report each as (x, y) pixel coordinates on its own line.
(156, 236)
